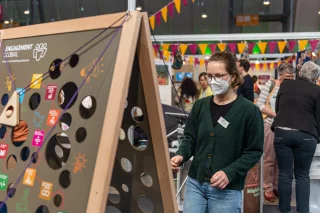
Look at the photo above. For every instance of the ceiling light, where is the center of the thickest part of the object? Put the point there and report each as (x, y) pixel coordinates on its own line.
(139, 8)
(257, 62)
(204, 15)
(266, 2)
(319, 12)
(6, 22)
(26, 12)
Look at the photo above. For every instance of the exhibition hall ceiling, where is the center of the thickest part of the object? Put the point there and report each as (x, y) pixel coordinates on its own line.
(221, 14)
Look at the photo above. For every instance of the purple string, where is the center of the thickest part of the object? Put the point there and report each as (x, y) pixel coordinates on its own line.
(8, 67)
(72, 53)
(65, 109)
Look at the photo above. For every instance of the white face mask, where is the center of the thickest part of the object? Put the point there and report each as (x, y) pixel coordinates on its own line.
(220, 87)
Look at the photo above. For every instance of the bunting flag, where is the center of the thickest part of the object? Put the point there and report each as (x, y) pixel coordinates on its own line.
(222, 47)
(272, 46)
(165, 47)
(170, 8)
(166, 55)
(271, 67)
(178, 5)
(193, 48)
(262, 46)
(261, 66)
(196, 61)
(281, 45)
(278, 64)
(185, 2)
(265, 66)
(292, 44)
(201, 62)
(174, 48)
(152, 20)
(158, 18)
(164, 12)
(251, 46)
(252, 66)
(203, 48)
(232, 47)
(183, 48)
(257, 66)
(191, 60)
(156, 49)
(241, 47)
(302, 44)
(212, 48)
(313, 44)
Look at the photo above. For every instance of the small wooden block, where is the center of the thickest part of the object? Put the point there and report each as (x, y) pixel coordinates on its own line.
(10, 114)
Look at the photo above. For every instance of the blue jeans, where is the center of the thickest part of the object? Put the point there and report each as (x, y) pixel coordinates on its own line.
(203, 198)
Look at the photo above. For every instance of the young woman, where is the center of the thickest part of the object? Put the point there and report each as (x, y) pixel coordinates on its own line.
(187, 94)
(267, 104)
(205, 90)
(224, 134)
(296, 134)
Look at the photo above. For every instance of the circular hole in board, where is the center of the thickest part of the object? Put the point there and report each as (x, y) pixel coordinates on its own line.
(9, 111)
(59, 157)
(57, 200)
(145, 204)
(34, 157)
(56, 68)
(88, 107)
(111, 209)
(65, 179)
(137, 114)
(4, 99)
(11, 190)
(137, 138)
(126, 165)
(42, 209)
(3, 207)
(81, 134)
(114, 195)
(25, 153)
(74, 60)
(125, 188)
(34, 101)
(20, 133)
(146, 179)
(65, 121)
(11, 162)
(65, 95)
(3, 131)
(122, 134)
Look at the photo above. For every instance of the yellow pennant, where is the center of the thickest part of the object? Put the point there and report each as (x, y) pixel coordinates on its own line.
(271, 66)
(241, 47)
(165, 47)
(203, 48)
(191, 60)
(279, 63)
(281, 45)
(152, 21)
(167, 55)
(262, 46)
(183, 48)
(164, 13)
(178, 5)
(222, 46)
(257, 67)
(302, 44)
(265, 67)
(202, 62)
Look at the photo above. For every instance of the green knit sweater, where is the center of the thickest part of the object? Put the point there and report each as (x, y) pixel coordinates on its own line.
(234, 150)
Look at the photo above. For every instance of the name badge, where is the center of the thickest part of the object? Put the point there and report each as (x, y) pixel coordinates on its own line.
(223, 122)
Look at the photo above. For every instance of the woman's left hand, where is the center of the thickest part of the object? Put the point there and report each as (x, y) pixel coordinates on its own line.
(219, 180)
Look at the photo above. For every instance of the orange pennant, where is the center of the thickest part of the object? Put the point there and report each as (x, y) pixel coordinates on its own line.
(257, 67)
(262, 46)
(241, 47)
(202, 62)
(203, 48)
(222, 46)
(271, 66)
(166, 55)
(265, 67)
(165, 47)
(183, 48)
(279, 63)
(164, 12)
(281, 45)
(152, 21)
(191, 60)
(302, 44)
(178, 5)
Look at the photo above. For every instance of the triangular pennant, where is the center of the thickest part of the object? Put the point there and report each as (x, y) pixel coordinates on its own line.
(251, 46)
(178, 5)
(279, 63)
(271, 66)
(203, 48)
(281, 45)
(152, 22)
(272, 46)
(268, 66)
(232, 47)
(212, 47)
(265, 66)
(193, 48)
(302, 44)
(155, 49)
(241, 47)
(174, 48)
(191, 59)
(257, 67)
(313, 44)
(252, 66)
(262, 46)
(167, 55)
(222, 47)
(183, 48)
(291, 44)
(171, 9)
(185, 2)
(158, 17)
(206, 62)
(261, 66)
(10, 114)
(164, 12)
(165, 47)
(202, 62)
(196, 61)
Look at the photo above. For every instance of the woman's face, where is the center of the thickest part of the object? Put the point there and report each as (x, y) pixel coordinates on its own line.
(218, 70)
(204, 82)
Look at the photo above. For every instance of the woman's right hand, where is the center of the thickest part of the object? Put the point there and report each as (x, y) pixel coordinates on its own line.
(175, 163)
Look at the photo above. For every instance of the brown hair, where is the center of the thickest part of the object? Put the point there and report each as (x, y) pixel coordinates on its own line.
(245, 64)
(230, 64)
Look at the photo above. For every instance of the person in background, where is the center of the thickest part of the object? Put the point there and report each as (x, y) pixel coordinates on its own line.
(224, 134)
(205, 90)
(246, 89)
(296, 134)
(187, 94)
(256, 89)
(267, 103)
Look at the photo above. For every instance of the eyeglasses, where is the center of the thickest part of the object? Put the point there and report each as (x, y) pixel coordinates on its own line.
(217, 78)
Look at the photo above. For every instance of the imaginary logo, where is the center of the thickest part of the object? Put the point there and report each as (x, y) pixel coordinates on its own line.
(38, 51)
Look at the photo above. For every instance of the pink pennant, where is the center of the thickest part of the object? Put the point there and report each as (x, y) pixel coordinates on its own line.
(193, 48)
(292, 44)
(161, 54)
(213, 47)
(232, 47)
(251, 46)
(174, 48)
(196, 61)
(185, 2)
(313, 44)
(155, 48)
(158, 17)
(252, 66)
(171, 9)
(272, 45)
(206, 62)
